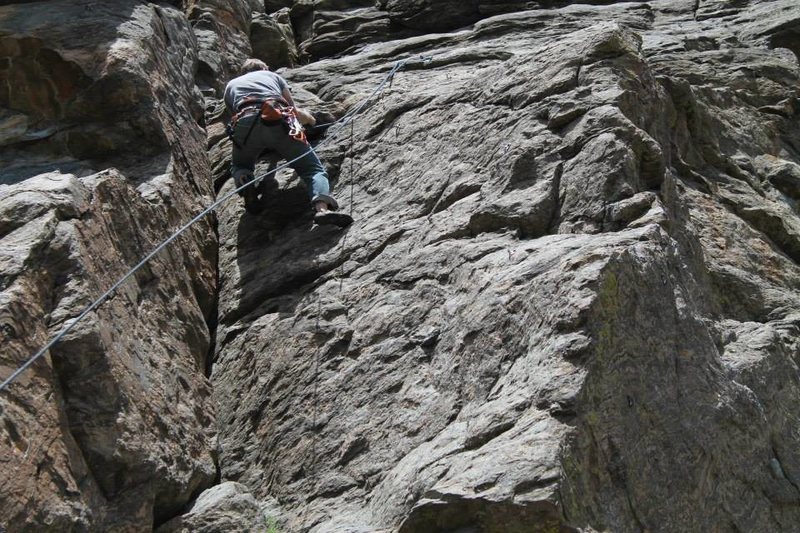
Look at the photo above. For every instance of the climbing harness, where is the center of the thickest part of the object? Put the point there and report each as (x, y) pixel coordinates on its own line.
(272, 112)
(106, 295)
(275, 111)
(245, 108)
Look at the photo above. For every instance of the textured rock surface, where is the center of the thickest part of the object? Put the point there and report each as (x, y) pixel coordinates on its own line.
(93, 84)
(225, 507)
(114, 428)
(222, 29)
(337, 31)
(431, 15)
(570, 300)
(273, 40)
(573, 255)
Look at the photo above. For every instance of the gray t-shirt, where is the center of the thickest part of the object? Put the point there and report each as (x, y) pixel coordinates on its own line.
(260, 84)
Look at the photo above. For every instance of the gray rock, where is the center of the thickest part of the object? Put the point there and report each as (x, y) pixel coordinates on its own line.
(569, 300)
(226, 507)
(222, 30)
(273, 41)
(332, 28)
(783, 175)
(559, 221)
(113, 429)
(77, 95)
(433, 16)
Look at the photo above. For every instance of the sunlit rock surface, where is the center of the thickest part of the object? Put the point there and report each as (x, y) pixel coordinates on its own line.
(570, 300)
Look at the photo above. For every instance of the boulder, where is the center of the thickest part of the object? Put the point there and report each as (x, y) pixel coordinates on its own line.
(225, 507)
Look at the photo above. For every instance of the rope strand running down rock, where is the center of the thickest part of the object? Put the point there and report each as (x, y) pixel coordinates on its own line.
(107, 294)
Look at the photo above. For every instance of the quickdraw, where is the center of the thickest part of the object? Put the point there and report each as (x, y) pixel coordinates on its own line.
(278, 111)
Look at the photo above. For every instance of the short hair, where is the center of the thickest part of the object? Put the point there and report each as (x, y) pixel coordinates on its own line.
(253, 65)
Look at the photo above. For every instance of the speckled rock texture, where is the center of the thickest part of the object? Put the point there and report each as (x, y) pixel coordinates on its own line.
(113, 430)
(228, 506)
(570, 299)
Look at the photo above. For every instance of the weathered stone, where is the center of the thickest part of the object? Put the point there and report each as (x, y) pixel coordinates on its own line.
(569, 300)
(783, 175)
(225, 507)
(134, 413)
(222, 29)
(114, 428)
(432, 15)
(559, 219)
(336, 31)
(273, 40)
(84, 87)
(325, 28)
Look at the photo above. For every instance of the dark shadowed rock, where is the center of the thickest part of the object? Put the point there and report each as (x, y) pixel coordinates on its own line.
(430, 15)
(271, 6)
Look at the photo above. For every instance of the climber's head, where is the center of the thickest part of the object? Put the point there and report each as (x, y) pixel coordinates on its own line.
(253, 65)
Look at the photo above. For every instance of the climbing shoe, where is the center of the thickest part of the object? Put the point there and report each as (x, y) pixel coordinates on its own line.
(252, 204)
(249, 194)
(333, 218)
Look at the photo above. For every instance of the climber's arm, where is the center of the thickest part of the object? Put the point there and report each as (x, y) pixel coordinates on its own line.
(306, 118)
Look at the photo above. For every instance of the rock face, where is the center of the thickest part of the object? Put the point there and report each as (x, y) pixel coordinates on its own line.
(334, 31)
(273, 40)
(572, 271)
(431, 15)
(222, 29)
(225, 507)
(114, 429)
(570, 300)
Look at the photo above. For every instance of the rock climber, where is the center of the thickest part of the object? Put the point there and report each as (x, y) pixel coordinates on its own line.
(265, 118)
